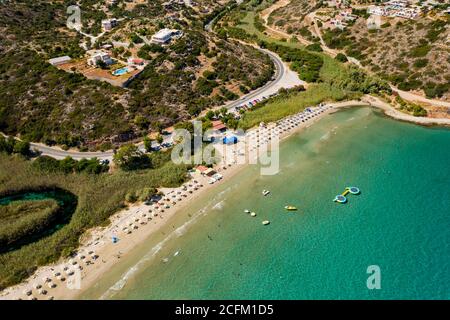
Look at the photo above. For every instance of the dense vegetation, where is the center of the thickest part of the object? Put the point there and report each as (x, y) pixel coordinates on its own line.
(306, 64)
(98, 197)
(290, 103)
(411, 54)
(57, 107)
(22, 218)
(10, 145)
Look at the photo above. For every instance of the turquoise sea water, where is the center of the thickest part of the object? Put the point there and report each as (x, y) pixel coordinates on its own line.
(400, 222)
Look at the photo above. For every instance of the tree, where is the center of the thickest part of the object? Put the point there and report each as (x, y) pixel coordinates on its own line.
(314, 47)
(129, 157)
(159, 139)
(341, 57)
(22, 147)
(101, 64)
(209, 115)
(147, 144)
(46, 164)
(141, 122)
(224, 111)
(6, 144)
(136, 39)
(67, 165)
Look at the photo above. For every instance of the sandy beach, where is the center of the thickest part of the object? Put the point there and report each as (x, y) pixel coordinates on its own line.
(102, 248)
(390, 111)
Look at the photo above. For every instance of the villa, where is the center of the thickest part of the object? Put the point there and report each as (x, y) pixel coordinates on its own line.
(347, 15)
(337, 23)
(99, 56)
(109, 24)
(165, 35)
(396, 8)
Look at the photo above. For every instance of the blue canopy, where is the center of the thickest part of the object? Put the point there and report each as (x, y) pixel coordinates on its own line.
(230, 140)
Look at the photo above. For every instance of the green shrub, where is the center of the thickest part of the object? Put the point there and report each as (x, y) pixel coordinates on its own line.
(341, 57)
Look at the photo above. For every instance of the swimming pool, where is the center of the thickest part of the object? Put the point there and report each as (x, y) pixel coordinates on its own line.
(120, 71)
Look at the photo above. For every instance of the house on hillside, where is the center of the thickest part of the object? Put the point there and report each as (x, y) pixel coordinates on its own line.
(338, 23)
(165, 35)
(98, 57)
(109, 24)
(347, 14)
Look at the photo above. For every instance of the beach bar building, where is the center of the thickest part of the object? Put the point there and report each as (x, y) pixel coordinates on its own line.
(218, 126)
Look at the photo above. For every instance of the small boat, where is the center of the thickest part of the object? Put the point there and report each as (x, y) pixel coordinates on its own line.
(253, 214)
(247, 211)
(266, 222)
(265, 192)
(290, 208)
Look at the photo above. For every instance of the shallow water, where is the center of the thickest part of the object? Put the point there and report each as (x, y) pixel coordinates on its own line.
(400, 222)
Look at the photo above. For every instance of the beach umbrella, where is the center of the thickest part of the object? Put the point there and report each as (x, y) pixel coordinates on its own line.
(38, 286)
(27, 292)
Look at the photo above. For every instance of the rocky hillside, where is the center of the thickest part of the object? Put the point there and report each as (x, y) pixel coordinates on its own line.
(43, 103)
(413, 54)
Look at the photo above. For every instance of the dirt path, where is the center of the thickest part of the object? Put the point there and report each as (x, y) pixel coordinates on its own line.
(412, 97)
(277, 5)
(409, 96)
(265, 14)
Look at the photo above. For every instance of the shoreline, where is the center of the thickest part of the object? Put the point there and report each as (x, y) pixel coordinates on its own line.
(96, 244)
(391, 112)
(97, 253)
